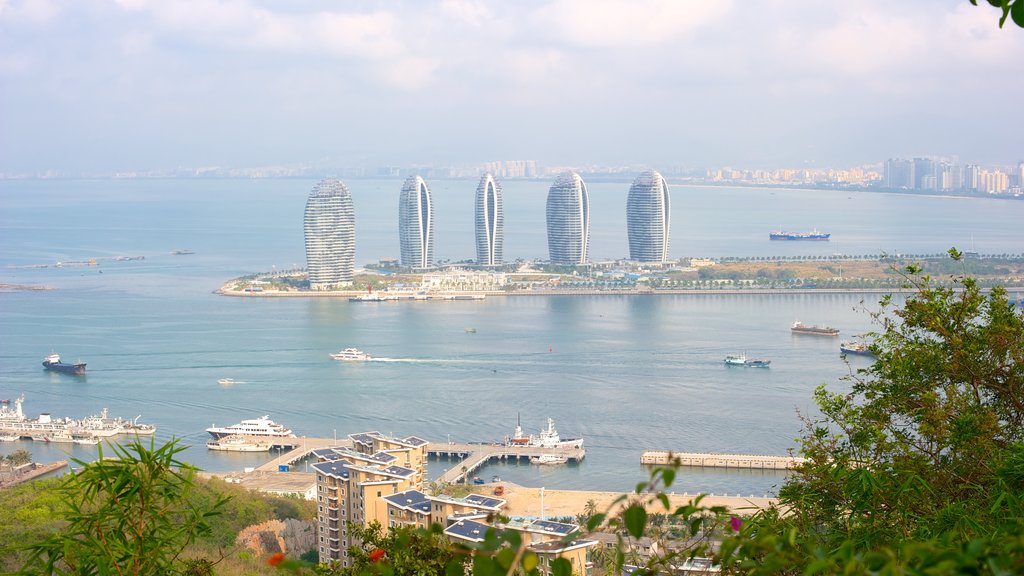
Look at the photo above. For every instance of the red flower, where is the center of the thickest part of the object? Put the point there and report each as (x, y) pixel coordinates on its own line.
(276, 559)
(376, 555)
(736, 523)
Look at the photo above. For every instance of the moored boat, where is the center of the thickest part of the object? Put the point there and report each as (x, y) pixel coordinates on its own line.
(351, 355)
(52, 362)
(238, 444)
(548, 438)
(261, 427)
(549, 459)
(801, 328)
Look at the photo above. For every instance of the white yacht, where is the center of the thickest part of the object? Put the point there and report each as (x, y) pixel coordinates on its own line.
(351, 355)
(549, 459)
(262, 426)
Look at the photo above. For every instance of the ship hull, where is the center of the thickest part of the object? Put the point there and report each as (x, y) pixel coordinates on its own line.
(76, 369)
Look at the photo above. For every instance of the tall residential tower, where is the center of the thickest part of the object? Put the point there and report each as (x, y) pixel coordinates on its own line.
(648, 217)
(416, 224)
(490, 222)
(568, 218)
(330, 229)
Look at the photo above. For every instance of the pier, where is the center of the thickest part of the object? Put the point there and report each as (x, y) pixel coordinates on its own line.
(300, 448)
(473, 456)
(749, 461)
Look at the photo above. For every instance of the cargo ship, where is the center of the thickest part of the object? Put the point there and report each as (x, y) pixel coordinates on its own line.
(813, 235)
(801, 328)
(52, 362)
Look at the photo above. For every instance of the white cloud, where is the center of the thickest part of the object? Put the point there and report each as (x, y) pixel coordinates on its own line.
(29, 11)
(614, 23)
(866, 43)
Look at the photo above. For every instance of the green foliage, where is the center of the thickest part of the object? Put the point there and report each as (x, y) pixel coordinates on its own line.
(919, 468)
(126, 515)
(1012, 8)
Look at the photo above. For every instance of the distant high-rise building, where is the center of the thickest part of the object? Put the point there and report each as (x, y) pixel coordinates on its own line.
(329, 226)
(924, 174)
(490, 222)
(568, 219)
(899, 173)
(416, 224)
(648, 218)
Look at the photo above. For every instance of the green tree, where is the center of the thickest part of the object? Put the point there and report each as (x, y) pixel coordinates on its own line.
(920, 465)
(130, 514)
(1012, 8)
(399, 551)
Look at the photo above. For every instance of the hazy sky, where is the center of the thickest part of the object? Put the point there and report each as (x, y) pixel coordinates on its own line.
(149, 84)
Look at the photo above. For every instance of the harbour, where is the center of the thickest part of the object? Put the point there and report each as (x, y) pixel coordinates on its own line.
(628, 372)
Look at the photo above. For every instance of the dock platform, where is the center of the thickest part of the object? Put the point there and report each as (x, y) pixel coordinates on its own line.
(473, 456)
(700, 459)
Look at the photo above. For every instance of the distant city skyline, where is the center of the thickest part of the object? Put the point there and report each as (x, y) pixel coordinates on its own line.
(158, 86)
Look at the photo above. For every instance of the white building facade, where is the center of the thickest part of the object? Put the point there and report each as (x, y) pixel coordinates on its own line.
(330, 232)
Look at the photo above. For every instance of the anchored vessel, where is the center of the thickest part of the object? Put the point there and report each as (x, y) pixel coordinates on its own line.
(815, 235)
(548, 438)
(262, 426)
(859, 348)
(742, 360)
(351, 355)
(52, 362)
(801, 328)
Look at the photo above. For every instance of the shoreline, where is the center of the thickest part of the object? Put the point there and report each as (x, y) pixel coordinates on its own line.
(526, 293)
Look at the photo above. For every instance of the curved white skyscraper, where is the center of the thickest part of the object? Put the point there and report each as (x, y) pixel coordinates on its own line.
(490, 221)
(568, 217)
(330, 228)
(648, 216)
(416, 224)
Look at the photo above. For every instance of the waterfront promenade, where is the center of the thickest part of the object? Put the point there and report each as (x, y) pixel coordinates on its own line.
(705, 460)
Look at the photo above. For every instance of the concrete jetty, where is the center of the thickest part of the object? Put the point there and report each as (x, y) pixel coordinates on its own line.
(300, 448)
(751, 461)
(473, 456)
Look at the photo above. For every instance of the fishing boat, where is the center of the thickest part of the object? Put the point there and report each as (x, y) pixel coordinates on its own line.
(759, 363)
(736, 360)
(856, 348)
(226, 381)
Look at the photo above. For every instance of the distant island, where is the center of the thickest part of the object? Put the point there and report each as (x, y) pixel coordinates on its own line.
(874, 273)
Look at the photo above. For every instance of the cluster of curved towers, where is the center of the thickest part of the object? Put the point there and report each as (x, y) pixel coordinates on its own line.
(329, 225)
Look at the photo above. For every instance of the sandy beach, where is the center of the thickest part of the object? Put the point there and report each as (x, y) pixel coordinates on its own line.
(526, 501)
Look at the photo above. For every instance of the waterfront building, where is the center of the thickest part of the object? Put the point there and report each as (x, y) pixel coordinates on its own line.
(329, 226)
(352, 486)
(648, 217)
(568, 220)
(490, 222)
(416, 224)
(899, 174)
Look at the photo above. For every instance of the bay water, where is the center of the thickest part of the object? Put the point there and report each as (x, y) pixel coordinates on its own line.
(629, 373)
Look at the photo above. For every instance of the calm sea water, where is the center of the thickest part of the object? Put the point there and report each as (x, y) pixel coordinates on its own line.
(628, 373)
